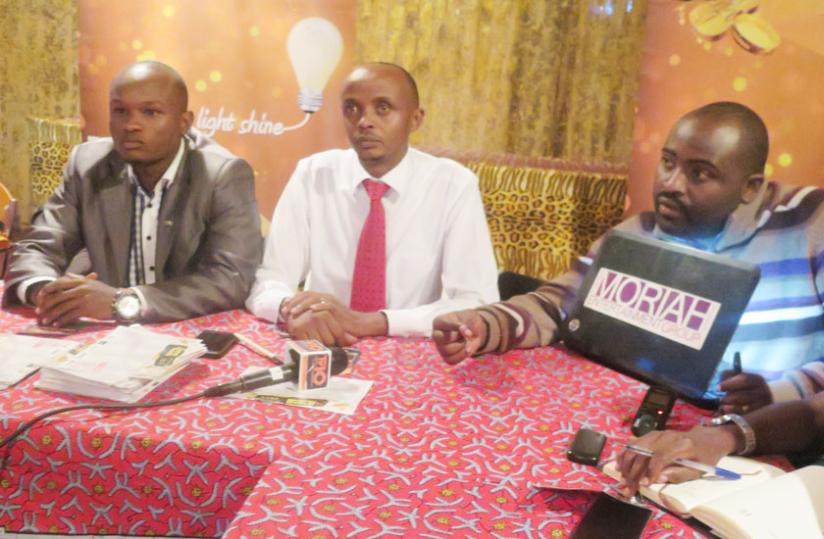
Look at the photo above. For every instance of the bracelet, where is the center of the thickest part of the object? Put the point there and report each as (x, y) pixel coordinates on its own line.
(746, 430)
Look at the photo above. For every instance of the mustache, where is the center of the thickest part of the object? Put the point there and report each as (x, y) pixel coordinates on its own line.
(672, 200)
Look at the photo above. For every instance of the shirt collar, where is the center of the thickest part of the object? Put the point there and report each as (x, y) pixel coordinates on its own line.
(397, 178)
(169, 176)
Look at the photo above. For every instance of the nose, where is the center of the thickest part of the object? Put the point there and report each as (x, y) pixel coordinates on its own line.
(673, 181)
(133, 123)
(365, 121)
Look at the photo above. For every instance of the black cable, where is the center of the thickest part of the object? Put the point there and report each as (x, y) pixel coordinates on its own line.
(102, 406)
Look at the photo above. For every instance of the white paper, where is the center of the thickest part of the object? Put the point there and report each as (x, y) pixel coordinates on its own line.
(341, 396)
(124, 365)
(22, 355)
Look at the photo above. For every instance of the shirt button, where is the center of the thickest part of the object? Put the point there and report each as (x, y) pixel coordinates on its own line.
(151, 268)
(148, 238)
(149, 205)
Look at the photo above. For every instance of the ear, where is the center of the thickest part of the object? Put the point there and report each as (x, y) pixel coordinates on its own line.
(752, 186)
(417, 119)
(186, 121)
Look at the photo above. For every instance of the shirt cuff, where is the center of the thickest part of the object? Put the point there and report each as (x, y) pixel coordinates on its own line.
(266, 306)
(23, 287)
(144, 305)
(406, 323)
(783, 391)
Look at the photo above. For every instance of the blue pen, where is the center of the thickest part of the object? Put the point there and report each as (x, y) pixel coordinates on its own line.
(688, 463)
(736, 363)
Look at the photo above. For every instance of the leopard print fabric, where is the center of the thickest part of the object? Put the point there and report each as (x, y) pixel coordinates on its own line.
(46, 168)
(540, 219)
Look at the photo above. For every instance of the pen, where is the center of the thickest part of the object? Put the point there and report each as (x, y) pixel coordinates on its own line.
(736, 363)
(688, 463)
(258, 349)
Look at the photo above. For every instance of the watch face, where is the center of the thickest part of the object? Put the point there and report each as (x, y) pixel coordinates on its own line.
(128, 306)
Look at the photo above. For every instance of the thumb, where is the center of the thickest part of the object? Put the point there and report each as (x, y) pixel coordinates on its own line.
(92, 276)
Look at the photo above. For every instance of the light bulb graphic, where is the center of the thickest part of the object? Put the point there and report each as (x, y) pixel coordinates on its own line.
(315, 47)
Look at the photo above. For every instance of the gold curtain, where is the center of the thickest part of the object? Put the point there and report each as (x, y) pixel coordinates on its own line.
(38, 77)
(554, 78)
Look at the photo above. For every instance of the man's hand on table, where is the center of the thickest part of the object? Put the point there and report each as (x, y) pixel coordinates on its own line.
(312, 315)
(71, 297)
(745, 392)
(703, 444)
(459, 335)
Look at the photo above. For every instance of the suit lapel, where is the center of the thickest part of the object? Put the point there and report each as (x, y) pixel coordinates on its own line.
(116, 209)
(168, 213)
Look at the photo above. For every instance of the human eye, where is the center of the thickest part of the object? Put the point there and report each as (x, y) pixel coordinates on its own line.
(667, 161)
(151, 111)
(702, 174)
(383, 107)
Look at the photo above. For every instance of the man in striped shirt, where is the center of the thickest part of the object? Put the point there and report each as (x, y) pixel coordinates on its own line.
(710, 193)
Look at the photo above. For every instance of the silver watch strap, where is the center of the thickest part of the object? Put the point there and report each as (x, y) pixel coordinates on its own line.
(746, 430)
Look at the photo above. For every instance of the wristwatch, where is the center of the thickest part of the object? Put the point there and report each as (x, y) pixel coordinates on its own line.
(126, 305)
(746, 430)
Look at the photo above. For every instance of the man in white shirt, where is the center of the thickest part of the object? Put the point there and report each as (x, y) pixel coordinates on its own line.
(432, 251)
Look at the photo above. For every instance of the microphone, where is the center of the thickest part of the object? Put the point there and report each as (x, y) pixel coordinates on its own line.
(276, 375)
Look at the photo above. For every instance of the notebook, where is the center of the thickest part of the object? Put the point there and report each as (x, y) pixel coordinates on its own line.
(659, 312)
(765, 503)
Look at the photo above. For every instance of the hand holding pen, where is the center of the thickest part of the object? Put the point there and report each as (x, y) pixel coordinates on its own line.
(674, 457)
(746, 391)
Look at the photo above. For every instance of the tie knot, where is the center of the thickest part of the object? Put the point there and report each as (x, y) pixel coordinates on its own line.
(374, 189)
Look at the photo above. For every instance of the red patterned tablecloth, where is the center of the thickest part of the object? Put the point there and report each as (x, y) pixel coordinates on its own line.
(432, 451)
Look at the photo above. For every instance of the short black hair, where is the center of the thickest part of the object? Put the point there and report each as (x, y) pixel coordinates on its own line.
(756, 141)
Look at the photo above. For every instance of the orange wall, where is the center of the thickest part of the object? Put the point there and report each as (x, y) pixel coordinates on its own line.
(232, 55)
(786, 87)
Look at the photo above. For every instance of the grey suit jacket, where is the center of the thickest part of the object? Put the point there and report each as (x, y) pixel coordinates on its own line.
(208, 238)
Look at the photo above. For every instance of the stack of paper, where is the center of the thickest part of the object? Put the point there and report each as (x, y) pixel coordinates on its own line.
(123, 366)
(23, 355)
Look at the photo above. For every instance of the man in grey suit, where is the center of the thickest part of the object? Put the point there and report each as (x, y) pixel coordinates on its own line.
(170, 223)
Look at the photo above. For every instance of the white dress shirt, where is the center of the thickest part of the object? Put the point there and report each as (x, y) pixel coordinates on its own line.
(439, 254)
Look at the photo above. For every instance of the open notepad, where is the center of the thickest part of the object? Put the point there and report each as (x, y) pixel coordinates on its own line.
(765, 503)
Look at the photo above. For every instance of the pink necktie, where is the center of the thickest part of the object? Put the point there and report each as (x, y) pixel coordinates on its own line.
(369, 277)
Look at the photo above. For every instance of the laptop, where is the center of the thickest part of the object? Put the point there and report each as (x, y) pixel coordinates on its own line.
(659, 312)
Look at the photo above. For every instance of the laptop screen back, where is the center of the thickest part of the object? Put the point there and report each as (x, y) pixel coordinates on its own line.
(659, 312)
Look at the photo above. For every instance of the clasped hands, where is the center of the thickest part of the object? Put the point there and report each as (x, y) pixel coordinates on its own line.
(71, 297)
(314, 315)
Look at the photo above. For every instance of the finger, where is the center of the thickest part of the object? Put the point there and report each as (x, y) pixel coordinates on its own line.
(332, 327)
(635, 470)
(446, 336)
(69, 316)
(455, 358)
(59, 285)
(61, 311)
(741, 381)
(50, 301)
(322, 306)
(677, 474)
(727, 374)
(452, 348)
(446, 323)
(303, 304)
(739, 398)
(92, 276)
(472, 346)
(466, 332)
